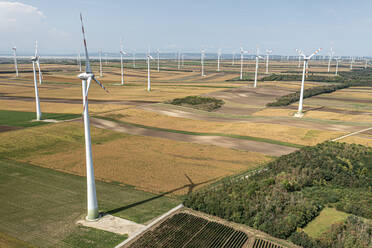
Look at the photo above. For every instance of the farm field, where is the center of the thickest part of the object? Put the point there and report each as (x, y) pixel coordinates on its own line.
(148, 151)
(167, 167)
(41, 206)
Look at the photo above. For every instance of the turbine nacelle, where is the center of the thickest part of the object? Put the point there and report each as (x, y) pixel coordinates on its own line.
(85, 76)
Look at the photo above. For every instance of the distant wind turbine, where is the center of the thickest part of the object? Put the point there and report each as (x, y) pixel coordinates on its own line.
(242, 52)
(100, 63)
(268, 52)
(122, 53)
(330, 59)
(15, 60)
(233, 58)
(149, 57)
(218, 59)
(337, 59)
(134, 58)
(158, 59)
(35, 60)
(256, 72)
(306, 61)
(202, 57)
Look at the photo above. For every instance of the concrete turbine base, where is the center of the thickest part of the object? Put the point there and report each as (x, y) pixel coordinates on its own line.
(93, 215)
(299, 114)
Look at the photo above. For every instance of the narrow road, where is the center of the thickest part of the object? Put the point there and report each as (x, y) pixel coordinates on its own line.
(351, 134)
(240, 144)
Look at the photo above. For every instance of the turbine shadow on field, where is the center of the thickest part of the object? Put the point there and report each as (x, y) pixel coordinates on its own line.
(190, 187)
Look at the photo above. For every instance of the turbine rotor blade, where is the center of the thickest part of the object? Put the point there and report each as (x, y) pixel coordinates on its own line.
(87, 64)
(314, 53)
(100, 84)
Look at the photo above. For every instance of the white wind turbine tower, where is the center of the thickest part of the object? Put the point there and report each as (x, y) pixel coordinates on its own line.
(134, 59)
(158, 59)
(351, 63)
(106, 62)
(337, 59)
(202, 57)
(365, 65)
(241, 61)
(15, 60)
(299, 61)
(233, 58)
(256, 72)
(149, 57)
(268, 52)
(306, 61)
(218, 59)
(38, 63)
(179, 60)
(183, 60)
(100, 64)
(86, 78)
(122, 53)
(35, 60)
(330, 59)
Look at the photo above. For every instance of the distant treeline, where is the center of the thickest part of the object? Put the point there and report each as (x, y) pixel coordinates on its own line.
(361, 77)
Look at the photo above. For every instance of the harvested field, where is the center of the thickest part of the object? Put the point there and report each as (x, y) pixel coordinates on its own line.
(290, 134)
(169, 166)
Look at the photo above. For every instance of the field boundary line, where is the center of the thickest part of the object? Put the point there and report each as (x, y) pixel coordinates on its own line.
(353, 133)
(142, 230)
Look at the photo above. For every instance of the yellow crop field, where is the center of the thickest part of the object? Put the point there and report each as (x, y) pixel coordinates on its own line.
(152, 164)
(285, 133)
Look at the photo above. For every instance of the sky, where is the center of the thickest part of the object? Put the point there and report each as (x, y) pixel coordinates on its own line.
(188, 25)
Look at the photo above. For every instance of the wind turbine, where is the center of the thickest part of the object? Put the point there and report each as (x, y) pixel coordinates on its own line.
(233, 58)
(149, 57)
(351, 63)
(202, 57)
(268, 52)
(218, 59)
(183, 60)
(134, 59)
(15, 60)
(337, 59)
(106, 62)
(122, 53)
(306, 61)
(86, 78)
(330, 58)
(299, 61)
(158, 59)
(256, 72)
(100, 63)
(38, 62)
(35, 60)
(179, 60)
(365, 65)
(241, 61)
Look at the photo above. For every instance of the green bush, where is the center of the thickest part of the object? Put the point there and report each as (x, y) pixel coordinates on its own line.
(198, 102)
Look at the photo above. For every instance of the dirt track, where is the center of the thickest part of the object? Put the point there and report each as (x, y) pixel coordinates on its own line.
(240, 144)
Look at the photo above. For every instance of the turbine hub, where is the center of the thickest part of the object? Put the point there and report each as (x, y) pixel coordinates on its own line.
(85, 76)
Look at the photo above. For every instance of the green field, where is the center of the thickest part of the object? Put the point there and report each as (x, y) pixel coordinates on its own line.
(41, 206)
(24, 119)
(324, 221)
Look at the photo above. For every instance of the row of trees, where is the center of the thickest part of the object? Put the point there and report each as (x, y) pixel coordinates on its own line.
(344, 80)
(294, 189)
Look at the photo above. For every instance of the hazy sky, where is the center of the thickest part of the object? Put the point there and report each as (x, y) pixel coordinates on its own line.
(188, 25)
